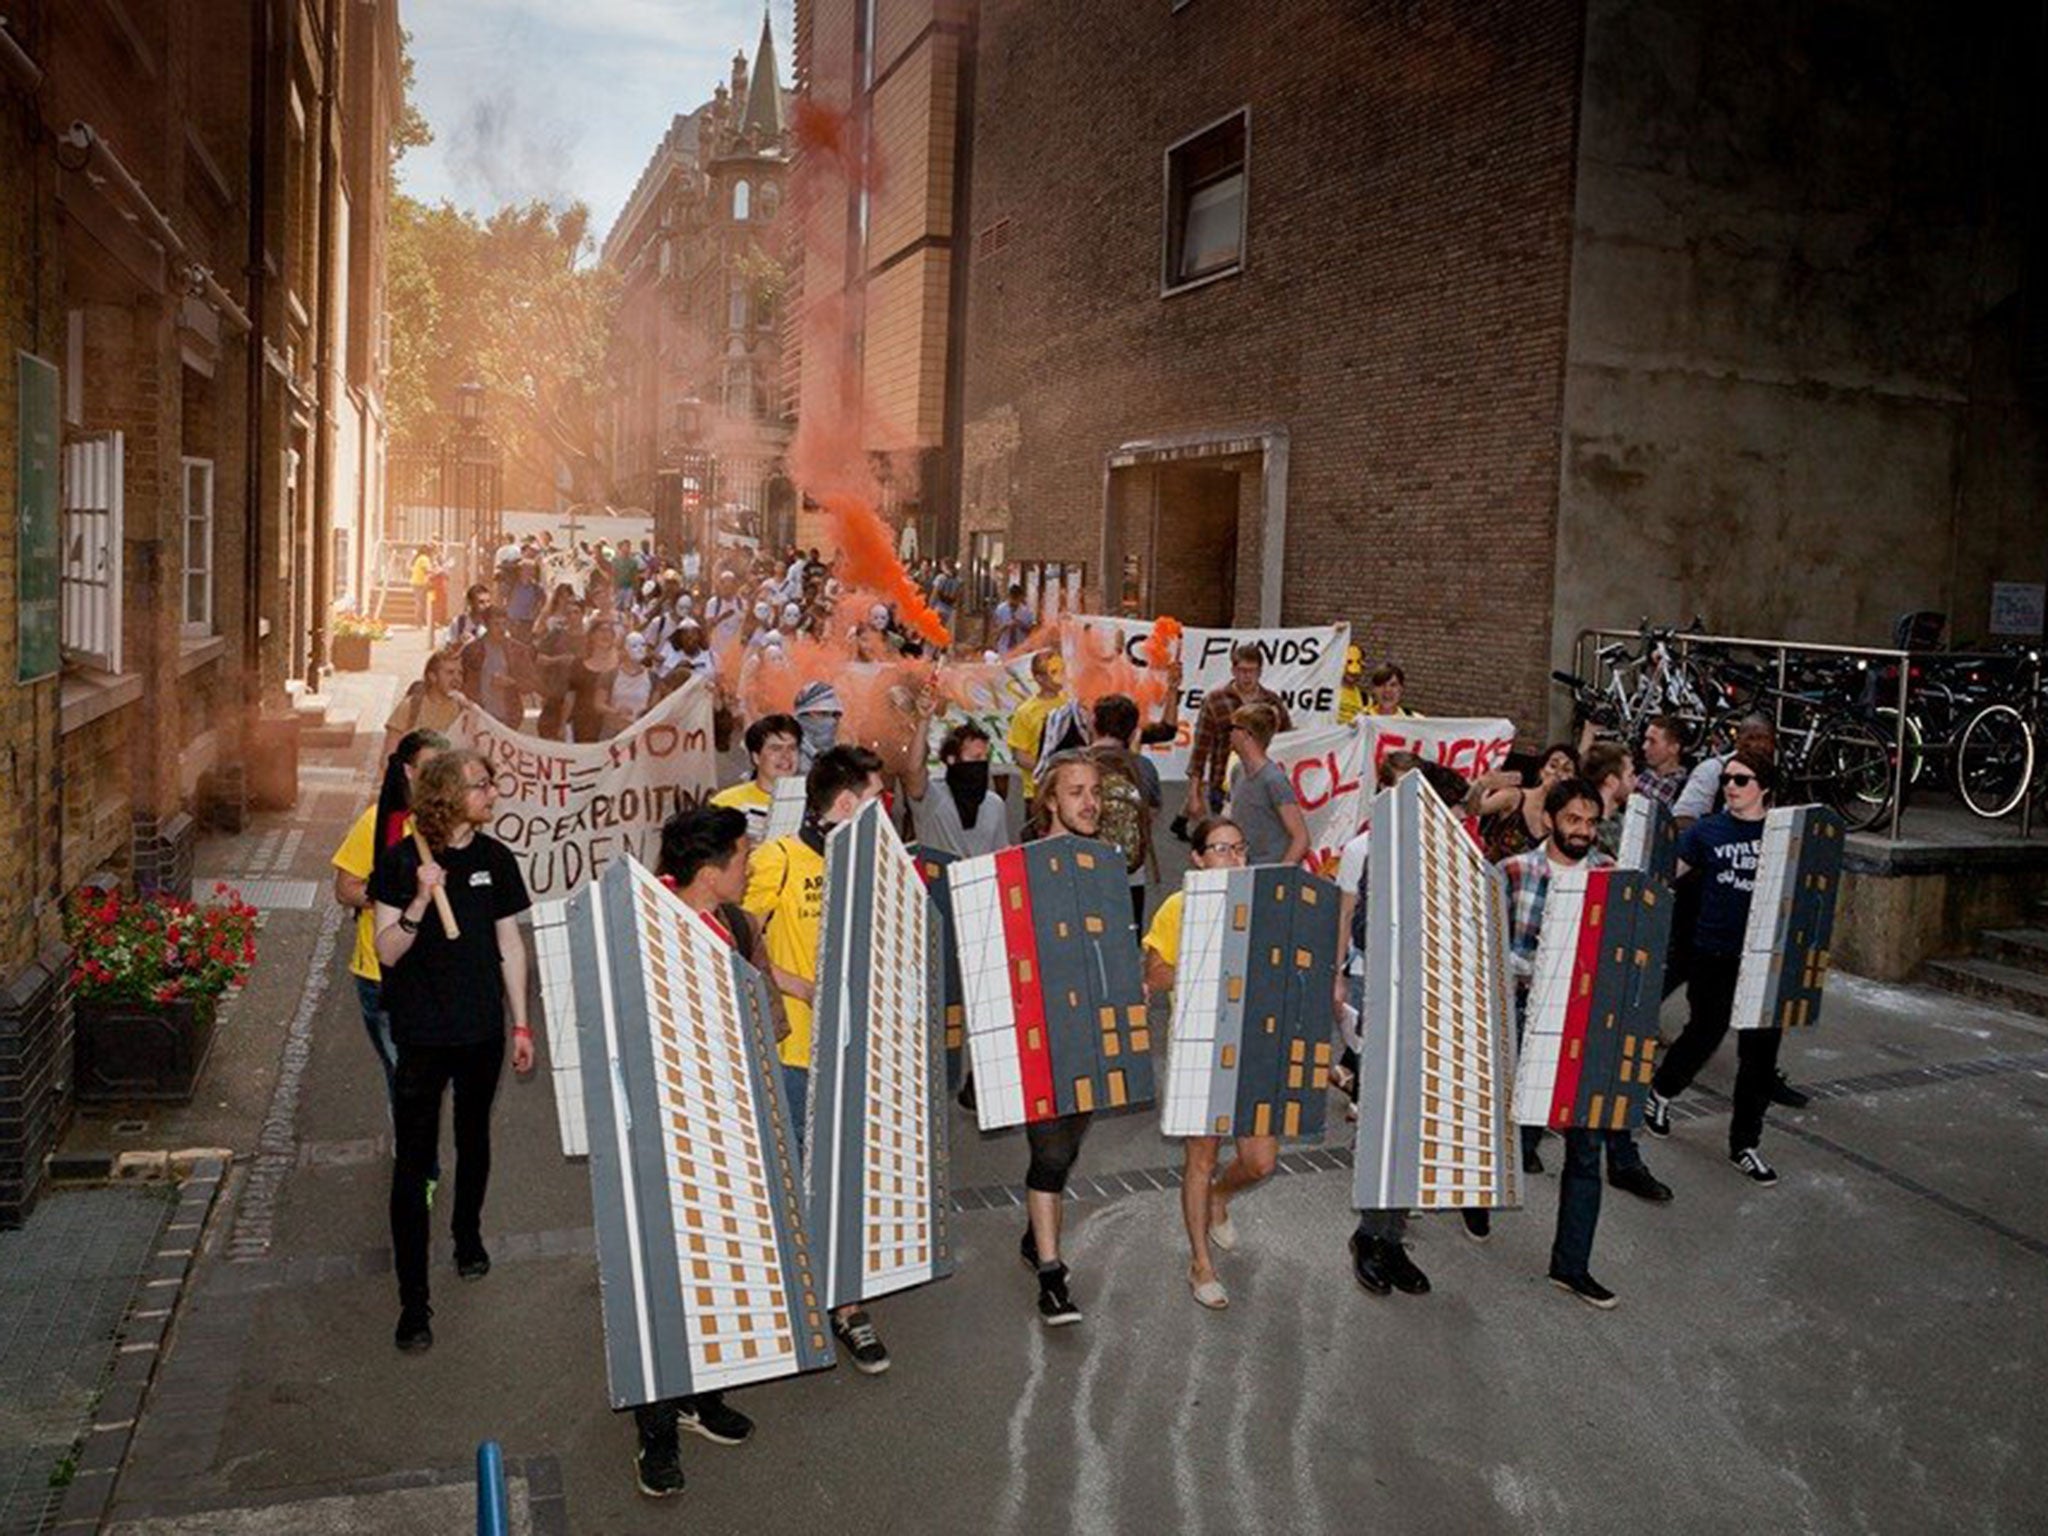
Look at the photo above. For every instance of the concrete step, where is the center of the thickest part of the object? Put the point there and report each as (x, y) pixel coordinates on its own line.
(2025, 948)
(2007, 986)
(337, 728)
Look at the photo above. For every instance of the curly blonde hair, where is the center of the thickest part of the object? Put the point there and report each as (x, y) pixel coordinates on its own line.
(440, 796)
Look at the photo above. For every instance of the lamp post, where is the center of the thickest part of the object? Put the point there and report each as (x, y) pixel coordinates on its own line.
(472, 473)
(683, 486)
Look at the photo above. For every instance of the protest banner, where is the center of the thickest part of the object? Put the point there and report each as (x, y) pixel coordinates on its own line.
(987, 693)
(1334, 769)
(1304, 666)
(566, 810)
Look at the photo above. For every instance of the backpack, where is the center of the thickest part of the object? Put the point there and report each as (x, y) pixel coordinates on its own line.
(1126, 822)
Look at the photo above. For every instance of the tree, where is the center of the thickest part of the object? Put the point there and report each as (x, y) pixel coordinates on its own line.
(409, 128)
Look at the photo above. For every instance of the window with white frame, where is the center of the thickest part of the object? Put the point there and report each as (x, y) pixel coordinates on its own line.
(198, 497)
(742, 201)
(1206, 178)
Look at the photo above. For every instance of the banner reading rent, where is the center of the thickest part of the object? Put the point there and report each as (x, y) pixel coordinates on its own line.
(1304, 666)
(568, 810)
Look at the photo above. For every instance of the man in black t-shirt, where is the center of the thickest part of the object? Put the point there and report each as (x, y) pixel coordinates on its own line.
(447, 998)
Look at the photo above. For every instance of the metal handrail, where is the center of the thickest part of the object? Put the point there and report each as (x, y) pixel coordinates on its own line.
(493, 1512)
(1783, 649)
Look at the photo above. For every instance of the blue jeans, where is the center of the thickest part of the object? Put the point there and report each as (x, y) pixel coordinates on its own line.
(1578, 1204)
(377, 1025)
(796, 1083)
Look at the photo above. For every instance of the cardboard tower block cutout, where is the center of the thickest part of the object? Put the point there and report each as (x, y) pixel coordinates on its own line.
(1649, 840)
(1436, 1077)
(785, 808)
(1055, 997)
(558, 1017)
(935, 866)
(1589, 1042)
(875, 1192)
(1791, 919)
(704, 1265)
(1249, 1054)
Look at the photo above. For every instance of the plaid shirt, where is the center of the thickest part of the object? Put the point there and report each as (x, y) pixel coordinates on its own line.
(1211, 748)
(1661, 786)
(1528, 877)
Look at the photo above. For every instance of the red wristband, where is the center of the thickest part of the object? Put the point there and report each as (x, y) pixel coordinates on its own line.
(522, 1029)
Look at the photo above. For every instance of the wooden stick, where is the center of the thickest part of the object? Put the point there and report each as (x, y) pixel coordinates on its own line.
(440, 893)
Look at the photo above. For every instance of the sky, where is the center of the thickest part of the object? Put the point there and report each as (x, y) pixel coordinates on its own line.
(564, 99)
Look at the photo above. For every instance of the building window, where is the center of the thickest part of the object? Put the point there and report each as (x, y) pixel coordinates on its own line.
(984, 571)
(1206, 179)
(739, 389)
(771, 199)
(198, 495)
(742, 200)
(736, 303)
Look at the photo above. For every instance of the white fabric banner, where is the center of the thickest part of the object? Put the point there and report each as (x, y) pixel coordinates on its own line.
(1304, 666)
(1334, 768)
(567, 810)
(988, 693)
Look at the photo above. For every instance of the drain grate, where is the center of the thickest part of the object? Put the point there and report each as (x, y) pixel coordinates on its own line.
(268, 894)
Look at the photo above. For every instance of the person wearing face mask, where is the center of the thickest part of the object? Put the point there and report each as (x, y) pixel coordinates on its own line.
(1350, 700)
(961, 816)
(818, 710)
(1572, 808)
(1723, 849)
(786, 890)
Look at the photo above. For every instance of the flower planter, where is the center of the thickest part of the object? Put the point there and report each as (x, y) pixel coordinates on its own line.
(350, 653)
(128, 1051)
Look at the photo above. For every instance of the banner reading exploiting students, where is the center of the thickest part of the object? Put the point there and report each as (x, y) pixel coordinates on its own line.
(1304, 666)
(567, 810)
(1334, 768)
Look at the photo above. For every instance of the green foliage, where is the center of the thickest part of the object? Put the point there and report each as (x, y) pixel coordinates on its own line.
(409, 129)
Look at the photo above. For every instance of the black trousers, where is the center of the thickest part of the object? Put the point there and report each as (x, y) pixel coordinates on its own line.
(423, 1075)
(1710, 992)
(1054, 1146)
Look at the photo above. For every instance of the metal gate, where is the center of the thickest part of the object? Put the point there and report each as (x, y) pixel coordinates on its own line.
(90, 584)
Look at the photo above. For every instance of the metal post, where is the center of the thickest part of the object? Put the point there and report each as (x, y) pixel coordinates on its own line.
(492, 1516)
(1778, 699)
(1899, 748)
(2027, 794)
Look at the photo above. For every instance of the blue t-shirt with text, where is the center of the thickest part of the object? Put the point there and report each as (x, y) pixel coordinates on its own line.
(1723, 852)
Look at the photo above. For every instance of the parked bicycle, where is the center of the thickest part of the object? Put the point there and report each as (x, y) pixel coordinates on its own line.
(1998, 753)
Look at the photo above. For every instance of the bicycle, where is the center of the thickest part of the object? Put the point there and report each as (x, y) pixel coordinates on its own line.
(1997, 752)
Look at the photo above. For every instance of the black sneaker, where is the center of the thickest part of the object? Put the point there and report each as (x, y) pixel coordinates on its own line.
(472, 1263)
(1657, 1114)
(1587, 1289)
(966, 1099)
(1478, 1224)
(1055, 1307)
(1400, 1269)
(658, 1471)
(707, 1414)
(1366, 1266)
(1782, 1092)
(415, 1333)
(1642, 1183)
(1027, 1249)
(856, 1331)
(1750, 1163)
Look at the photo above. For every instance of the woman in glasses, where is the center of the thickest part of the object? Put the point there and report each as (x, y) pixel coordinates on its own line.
(1219, 843)
(1722, 850)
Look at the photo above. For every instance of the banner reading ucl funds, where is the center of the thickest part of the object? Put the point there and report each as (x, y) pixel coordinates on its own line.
(1304, 666)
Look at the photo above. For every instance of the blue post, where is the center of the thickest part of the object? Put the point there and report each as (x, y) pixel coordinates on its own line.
(492, 1518)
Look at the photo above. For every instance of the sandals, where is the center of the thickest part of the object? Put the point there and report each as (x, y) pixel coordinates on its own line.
(1209, 1293)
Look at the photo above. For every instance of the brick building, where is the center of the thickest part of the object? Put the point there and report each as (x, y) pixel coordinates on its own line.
(700, 415)
(150, 616)
(881, 264)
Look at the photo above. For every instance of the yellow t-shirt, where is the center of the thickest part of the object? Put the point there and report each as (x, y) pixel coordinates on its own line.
(752, 799)
(422, 712)
(786, 888)
(1163, 937)
(1350, 704)
(422, 570)
(1027, 730)
(357, 856)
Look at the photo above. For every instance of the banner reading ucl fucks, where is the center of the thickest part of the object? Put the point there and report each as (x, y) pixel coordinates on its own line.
(566, 810)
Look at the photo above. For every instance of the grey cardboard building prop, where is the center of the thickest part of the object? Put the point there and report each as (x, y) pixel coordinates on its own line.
(1249, 1053)
(1791, 919)
(1436, 1076)
(875, 1192)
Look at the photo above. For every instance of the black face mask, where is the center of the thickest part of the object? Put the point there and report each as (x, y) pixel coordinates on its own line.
(968, 784)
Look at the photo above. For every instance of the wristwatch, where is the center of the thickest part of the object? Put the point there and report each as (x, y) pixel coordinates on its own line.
(406, 924)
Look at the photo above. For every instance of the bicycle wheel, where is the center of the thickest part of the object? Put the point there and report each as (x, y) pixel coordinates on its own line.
(1994, 760)
(1916, 752)
(1851, 770)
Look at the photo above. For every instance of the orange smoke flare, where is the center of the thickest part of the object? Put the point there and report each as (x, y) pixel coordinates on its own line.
(869, 563)
(1163, 644)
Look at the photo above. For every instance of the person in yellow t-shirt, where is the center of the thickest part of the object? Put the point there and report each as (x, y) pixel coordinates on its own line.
(1026, 736)
(772, 745)
(353, 862)
(1389, 684)
(786, 889)
(1350, 701)
(1218, 843)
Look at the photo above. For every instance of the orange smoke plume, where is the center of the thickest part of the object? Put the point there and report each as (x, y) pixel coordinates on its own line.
(1163, 644)
(869, 562)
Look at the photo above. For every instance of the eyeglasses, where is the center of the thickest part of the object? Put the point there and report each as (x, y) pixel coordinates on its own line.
(1222, 848)
(1738, 778)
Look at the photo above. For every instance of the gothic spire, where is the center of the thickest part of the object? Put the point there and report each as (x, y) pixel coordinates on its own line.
(763, 114)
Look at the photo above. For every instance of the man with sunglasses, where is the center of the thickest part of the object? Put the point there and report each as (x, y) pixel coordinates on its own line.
(1725, 848)
(448, 995)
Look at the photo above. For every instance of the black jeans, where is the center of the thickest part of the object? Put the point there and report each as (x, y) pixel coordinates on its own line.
(423, 1075)
(1054, 1146)
(1578, 1204)
(656, 1422)
(1710, 991)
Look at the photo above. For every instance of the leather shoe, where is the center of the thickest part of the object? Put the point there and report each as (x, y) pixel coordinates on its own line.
(1639, 1181)
(1366, 1268)
(1782, 1092)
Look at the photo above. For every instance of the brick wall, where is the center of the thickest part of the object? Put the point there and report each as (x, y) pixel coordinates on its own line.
(1401, 311)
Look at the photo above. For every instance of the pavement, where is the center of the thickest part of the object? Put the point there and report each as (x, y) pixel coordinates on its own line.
(1847, 1351)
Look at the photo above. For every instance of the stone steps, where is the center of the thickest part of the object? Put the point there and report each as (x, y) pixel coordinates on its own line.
(2021, 988)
